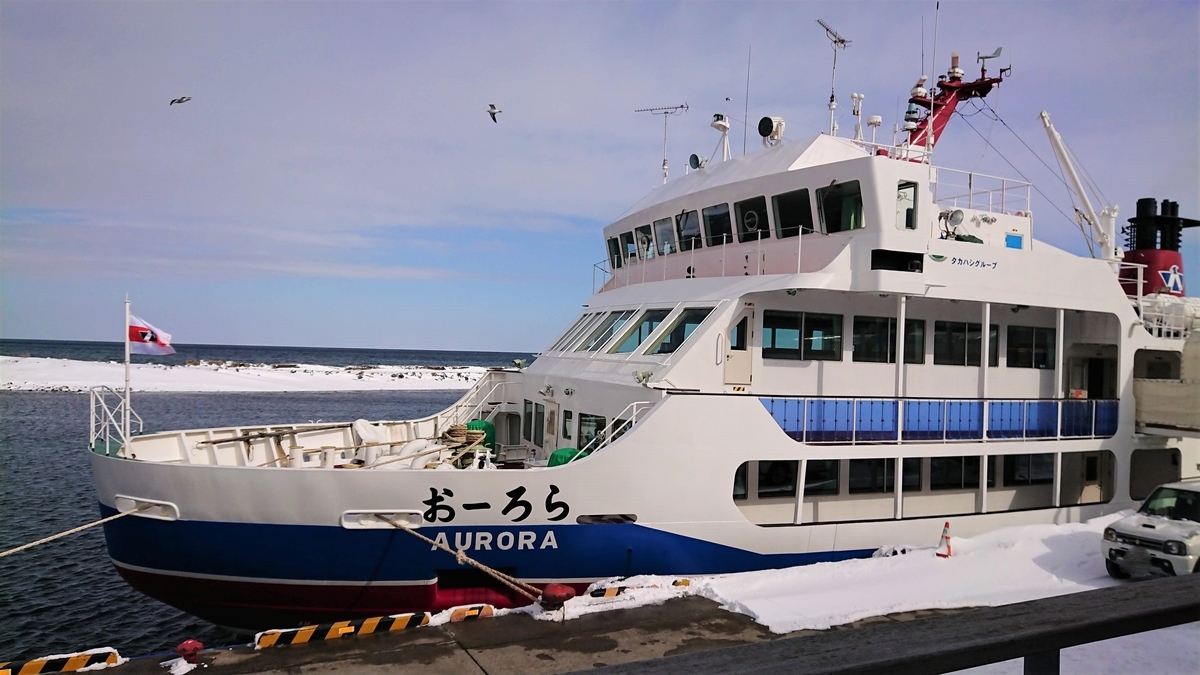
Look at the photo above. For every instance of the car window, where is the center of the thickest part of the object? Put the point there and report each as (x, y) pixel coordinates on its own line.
(1173, 504)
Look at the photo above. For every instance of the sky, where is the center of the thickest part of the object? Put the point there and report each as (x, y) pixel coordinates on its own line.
(336, 181)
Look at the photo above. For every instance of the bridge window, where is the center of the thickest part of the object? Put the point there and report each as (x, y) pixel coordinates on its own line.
(793, 213)
(959, 344)
(687, 224)
(566, 336)
(665, 234)
(679, 332)
(605, 331)
(752, 222)
(1030, 347)
(802, 335)
(875, 340)
(628, 248)
(614, 254)
(906, 206)
(716, 223)
(645, 242)
(841, 207)
(641, 330)
(1028, 469)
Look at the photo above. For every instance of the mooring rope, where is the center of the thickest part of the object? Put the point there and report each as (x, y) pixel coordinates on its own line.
(462, 558)
(81, 528)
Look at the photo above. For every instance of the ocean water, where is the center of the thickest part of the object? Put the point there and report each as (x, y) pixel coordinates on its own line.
(326, 356)
(65, 596)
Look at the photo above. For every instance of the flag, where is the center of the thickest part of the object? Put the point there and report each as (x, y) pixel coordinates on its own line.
(146, 339)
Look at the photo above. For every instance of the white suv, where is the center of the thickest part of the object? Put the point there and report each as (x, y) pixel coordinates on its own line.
(1161, 539)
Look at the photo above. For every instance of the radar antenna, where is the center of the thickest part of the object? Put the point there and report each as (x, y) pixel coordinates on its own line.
(837, 42)
(669, 110)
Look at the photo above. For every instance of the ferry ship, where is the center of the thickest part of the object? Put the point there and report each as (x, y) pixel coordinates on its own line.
(808, 353)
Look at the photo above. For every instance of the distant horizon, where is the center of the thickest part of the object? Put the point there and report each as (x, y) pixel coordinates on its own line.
(213, 344)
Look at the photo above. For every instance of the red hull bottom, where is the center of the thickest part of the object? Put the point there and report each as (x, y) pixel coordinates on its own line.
(253, 606)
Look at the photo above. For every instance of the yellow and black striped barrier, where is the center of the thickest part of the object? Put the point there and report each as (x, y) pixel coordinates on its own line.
(340, 629)
(620, 590)
(469, 612)
(61, 664)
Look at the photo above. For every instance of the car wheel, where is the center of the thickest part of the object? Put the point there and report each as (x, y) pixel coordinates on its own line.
(1115, 571)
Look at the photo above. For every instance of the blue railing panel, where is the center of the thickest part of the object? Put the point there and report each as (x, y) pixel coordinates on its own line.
(1041, 419)
(830, 420)
(1077, 418)
(876, 420)
(924, 420)
(964, 420)
(788, 414)
(1106, 418)
(1006, 419)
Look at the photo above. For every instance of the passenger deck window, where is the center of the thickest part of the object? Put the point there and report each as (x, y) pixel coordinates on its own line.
(1029, 469)
(605, 331)
(717, 225)
(590, 426)
(527, 421)
(1030, 347)
(645, 242)
(777, 479)
(641, 330)
(752, 222)
(821, 477)
(568, 422)
(841, 207)
(875, 340)
(802, 335)
(959, 344)
(879, 475)
(738, 335)
(679, 332)
(539, 424)
(688, 225)
(959, 473)
(614, 254)
(793, 213)
(906, 206)
(665, 234)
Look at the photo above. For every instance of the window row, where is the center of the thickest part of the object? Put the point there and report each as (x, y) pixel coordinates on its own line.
(623, 333)
(810, 336)
(839, 208)
(822, 476)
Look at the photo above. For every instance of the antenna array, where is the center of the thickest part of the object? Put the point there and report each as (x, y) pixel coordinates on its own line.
(665, 112)
(837, 42)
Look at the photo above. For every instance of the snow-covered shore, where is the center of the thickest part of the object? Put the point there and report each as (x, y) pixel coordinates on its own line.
(43, 374)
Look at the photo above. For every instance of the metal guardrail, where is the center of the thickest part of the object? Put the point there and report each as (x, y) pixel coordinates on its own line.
(878, 420)
(1036, 631)
(106, 421)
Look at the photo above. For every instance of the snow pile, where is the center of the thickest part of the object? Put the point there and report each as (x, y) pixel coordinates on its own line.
(1001, 567)
(43, 374)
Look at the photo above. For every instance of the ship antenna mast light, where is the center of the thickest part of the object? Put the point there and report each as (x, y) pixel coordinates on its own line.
(665, 112)
(837, 42)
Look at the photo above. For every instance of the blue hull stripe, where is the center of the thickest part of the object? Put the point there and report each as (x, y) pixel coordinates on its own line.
(332, 554)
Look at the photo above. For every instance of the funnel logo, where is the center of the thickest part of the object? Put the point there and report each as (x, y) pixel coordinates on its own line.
(1172, 279)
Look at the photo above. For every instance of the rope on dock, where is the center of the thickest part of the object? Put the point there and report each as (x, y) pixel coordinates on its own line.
(521, 587)
(71, 531)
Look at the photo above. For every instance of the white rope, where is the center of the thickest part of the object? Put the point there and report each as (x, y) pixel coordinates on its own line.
(81, 528)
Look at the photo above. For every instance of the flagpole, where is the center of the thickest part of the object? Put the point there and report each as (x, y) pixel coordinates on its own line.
(125, 408)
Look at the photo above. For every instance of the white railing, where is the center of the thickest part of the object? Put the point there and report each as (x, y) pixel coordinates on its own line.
(967, 189)
(610, 432)
(107, 422)
(605, 274)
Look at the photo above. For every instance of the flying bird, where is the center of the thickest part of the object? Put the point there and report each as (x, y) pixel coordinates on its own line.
(181, 99)
(492, 111)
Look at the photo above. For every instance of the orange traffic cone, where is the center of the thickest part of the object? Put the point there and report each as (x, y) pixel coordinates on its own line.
(943, 549)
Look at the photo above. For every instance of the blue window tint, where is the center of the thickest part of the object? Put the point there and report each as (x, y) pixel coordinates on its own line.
(830, 420)
(1014, 241)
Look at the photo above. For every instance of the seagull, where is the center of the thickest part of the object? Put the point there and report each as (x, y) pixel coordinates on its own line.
(181, 99)
(492, 111)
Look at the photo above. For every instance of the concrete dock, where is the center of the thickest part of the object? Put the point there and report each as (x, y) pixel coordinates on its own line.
(513, 644)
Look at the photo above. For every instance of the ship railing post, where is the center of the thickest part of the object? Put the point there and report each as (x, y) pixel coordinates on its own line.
(898, 484)
(92, 420)
(983, 479)
(1057, 479)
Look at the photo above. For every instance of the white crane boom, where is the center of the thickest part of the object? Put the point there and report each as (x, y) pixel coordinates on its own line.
(1104, 227)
